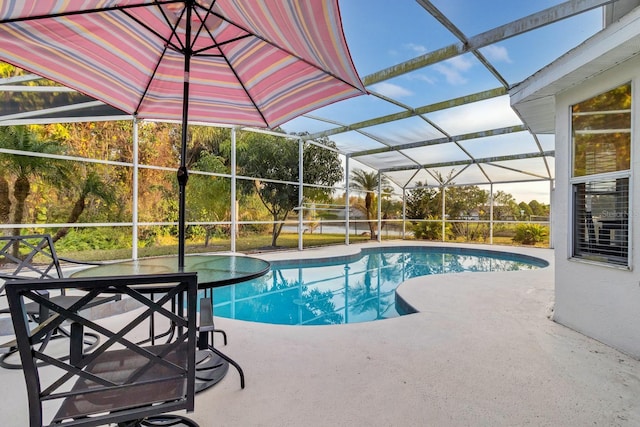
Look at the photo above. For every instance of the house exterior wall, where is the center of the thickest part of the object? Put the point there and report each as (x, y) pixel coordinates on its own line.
(614, 11)
(600, 301)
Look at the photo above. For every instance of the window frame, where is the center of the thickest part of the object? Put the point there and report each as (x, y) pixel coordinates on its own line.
(600, 258)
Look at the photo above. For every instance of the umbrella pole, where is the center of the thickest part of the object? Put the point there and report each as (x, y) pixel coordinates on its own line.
(182, 184)
(183, 175)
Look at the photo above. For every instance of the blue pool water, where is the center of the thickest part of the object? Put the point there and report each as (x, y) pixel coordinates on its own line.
(352, 289)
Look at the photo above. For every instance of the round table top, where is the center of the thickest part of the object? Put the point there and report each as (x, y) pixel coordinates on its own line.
(213, 270)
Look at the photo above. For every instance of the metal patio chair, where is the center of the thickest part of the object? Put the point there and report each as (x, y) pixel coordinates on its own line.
(34, 257)
(120, 381)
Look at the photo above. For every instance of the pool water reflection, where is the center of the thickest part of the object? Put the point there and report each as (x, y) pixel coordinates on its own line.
(356, 289)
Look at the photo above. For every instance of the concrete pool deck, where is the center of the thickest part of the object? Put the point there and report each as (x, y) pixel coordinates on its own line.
(481, 352)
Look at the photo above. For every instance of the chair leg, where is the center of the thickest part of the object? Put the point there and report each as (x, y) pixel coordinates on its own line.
(90, 340)
(223, 333)
(161, 421)
(13, 351)
(231, 362)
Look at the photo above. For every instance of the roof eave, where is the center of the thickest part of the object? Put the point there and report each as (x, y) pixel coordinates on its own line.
(534, 98)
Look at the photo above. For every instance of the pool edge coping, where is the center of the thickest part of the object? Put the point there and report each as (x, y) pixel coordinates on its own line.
(356, 251)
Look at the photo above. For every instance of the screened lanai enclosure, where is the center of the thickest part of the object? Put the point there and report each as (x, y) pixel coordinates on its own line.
(433, 150)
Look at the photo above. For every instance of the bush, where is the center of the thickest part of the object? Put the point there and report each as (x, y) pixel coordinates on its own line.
(429, 230)
(530, 234)
(470, 232)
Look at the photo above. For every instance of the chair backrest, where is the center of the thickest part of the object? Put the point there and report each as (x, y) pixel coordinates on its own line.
(29, 256)
(121, 380)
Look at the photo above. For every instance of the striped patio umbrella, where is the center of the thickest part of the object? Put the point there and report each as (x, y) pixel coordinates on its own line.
(255, 63)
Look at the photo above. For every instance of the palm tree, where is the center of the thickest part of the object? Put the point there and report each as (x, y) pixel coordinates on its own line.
(368, 182)
(25, 168)
(92, 185)
(5, 201)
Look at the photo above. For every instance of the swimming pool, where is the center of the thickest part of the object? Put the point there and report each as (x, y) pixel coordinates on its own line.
(358, 288)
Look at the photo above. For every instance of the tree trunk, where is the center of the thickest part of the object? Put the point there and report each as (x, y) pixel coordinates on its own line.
(277, 228)
(21, 190)
(368, 201)
(5, 201)
(77, 210)
(274, 235)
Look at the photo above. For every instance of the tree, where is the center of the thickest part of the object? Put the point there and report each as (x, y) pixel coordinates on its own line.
(425, 203)
(5, 200)
(464, 201)
(538, 209)
(322, 167)
(208, 197)
(205, 141)
(504, 206)
(367, 182)
(91, 185)
(525, 211)
(23, 169)
(422, 202)
(269, 159)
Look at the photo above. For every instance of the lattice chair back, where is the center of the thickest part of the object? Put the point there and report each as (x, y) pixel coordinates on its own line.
(29, 256)
(122, 380)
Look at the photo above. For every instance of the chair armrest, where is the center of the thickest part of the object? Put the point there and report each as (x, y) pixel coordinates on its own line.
(9, 345)
(206, 315)
(206, 323)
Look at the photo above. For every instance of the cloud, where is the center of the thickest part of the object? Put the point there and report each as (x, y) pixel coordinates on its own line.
(453, 69)
(460, 63)
(417, 48)
(420, 77)
(497, 53)
(452, 75)
(391, 90)
(474, 117)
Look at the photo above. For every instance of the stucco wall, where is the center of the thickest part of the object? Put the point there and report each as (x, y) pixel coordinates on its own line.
(615, 11)
(600, 301)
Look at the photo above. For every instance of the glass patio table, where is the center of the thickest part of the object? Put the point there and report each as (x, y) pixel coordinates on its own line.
(213, 271)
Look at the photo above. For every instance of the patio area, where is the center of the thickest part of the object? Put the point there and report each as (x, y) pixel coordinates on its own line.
(481, 351)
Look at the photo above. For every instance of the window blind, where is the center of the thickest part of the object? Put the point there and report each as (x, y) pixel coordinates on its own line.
(601, 220)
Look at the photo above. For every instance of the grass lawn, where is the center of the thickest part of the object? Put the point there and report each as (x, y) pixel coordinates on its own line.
(246, 244)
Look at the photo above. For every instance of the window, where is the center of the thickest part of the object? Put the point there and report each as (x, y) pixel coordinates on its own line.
(601, 131)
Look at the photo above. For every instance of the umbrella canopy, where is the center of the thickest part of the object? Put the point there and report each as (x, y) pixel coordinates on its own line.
(254, 63)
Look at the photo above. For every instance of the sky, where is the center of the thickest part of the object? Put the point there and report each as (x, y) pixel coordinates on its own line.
(383, 33)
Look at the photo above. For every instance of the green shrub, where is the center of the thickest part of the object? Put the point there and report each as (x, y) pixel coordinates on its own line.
(100, 238)
(470, 231)
(530, 234)
(429, 230)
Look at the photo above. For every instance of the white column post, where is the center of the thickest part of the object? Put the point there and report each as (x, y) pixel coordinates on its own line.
(491, 215)
(346, 200)
(134, 202)
(443, 194)
(551, 237)
(234, 212)
(404, 212)
(300, 193)
(379, 207)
